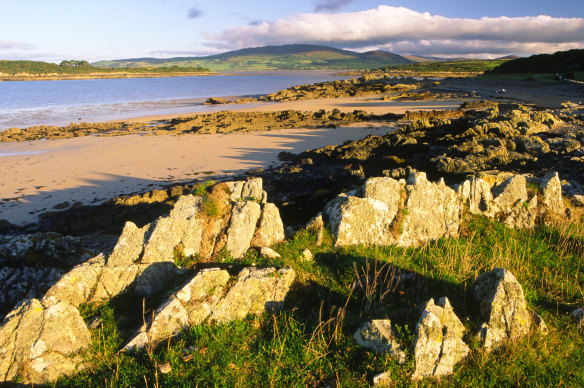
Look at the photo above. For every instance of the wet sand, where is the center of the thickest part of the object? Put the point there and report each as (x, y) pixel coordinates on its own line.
(36, 176)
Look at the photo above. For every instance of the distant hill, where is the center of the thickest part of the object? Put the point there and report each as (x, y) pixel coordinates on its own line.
(509, 57)
(559, 62)
(286, 57)
(38, 68)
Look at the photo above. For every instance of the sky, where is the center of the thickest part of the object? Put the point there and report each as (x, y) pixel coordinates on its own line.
(55, 30)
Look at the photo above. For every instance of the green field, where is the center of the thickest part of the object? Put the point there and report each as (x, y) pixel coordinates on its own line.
(288, 57)
(459, 66)
(81, 68)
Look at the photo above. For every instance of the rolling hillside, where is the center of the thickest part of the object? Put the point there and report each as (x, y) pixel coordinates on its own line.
(562, 62)
(287, 57)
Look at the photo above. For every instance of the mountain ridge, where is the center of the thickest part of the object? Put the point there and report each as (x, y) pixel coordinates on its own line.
(285, 57)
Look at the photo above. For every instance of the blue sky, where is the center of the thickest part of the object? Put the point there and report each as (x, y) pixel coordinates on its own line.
(54, 30)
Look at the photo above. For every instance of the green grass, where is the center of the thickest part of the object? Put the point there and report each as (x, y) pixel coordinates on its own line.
(41, 68)
(309, 343)
(470, 66)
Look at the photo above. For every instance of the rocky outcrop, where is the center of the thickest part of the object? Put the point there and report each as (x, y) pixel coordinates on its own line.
(142, 262)
(438, 344)
(257, 290)
(502, 307)
(38, 341)
(377, 335)
(212, 295)
(408, 213)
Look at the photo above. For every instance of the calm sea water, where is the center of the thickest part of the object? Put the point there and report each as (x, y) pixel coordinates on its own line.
(24, 104)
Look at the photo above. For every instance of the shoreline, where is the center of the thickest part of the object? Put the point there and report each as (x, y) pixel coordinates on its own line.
(69, 77)
(122, 75)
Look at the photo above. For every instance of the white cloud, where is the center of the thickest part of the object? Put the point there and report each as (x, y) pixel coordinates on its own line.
(410, 32)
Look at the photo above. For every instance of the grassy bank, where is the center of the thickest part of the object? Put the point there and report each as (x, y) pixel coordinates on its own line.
(310, 342)
(35, 71)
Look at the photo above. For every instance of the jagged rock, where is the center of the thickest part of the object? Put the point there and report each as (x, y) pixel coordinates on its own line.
(42, 249)
(130, 245)
(252, 189)
(191, 305)
(244, 218)
(551, 190)
(512, 204)
(502, 307)
(382, 380)
(40, 341)
(17, 284)
(510, 192)
(316, 226)
(356, 220)
(76, 286)
(181, 226)
(307, 255)
(377, 335)
(270, 229)
(432, 211)
(257, 290)
(476, 195)
(386, 190)
(269, 253)
(438, 344)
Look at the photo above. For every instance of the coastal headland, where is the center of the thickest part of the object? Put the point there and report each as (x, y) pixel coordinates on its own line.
(362, 231)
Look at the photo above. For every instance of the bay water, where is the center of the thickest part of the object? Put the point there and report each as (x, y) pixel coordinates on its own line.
(29, 103)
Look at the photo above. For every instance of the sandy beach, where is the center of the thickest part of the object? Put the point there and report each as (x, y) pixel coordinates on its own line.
(36, 176)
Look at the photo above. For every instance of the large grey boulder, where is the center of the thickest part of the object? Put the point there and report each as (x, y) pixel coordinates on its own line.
(377, 335)
(432, 211)
(438, 345)
(389, 213)
(244, 219)
(257, 290)
(40, 341)
(357, 220)
(502, 307)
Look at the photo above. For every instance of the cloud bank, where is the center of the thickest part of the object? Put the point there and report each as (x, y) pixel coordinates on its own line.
(406, 31)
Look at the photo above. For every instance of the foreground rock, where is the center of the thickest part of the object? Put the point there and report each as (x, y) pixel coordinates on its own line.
(39, 341)
(385, 211)
(502, 307)
(41, 338)
(438, 344)
(208, 296)
(377, 335)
